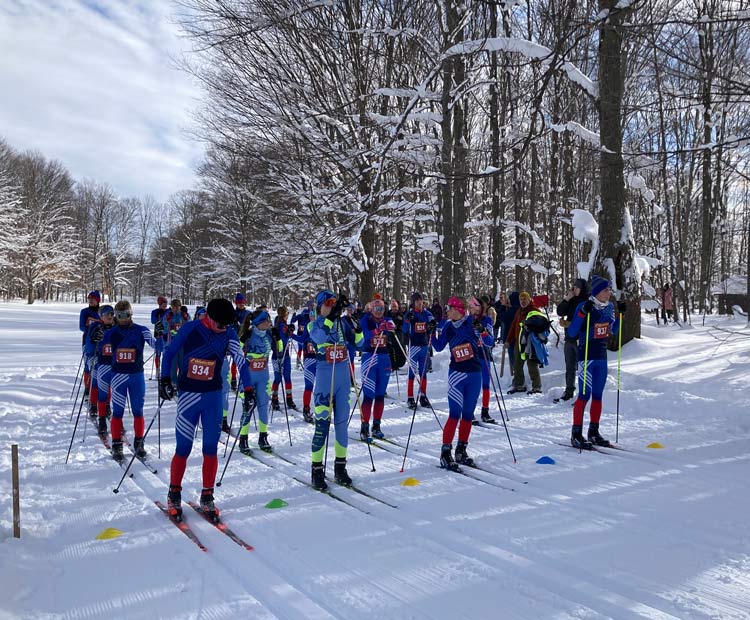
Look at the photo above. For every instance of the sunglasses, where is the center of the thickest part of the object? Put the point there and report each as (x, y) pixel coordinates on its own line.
(330, 302)
(378, 308)
(123, 315)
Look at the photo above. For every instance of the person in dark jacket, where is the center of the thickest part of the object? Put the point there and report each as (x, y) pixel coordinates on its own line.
(436, 310)
(566, 310)
(506, 312)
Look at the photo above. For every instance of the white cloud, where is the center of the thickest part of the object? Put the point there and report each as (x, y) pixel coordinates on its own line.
(94, 84)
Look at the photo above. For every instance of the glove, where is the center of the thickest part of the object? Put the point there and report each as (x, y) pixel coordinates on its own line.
(249, 401)
(338, 308)
(409, 316)
(159, 329)
(587, 307)
(389, 326)
(622, 307)
(166, 389)
(431, 326)
(479, 327)
(98, 334)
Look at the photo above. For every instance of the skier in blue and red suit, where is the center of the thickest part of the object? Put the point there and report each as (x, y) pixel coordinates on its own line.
(126, 340)
(103, 365)
(94, 333)
(375, 369)
(240, 314)
(307, 346)
(157, 314)
(478, 312)
(302, 318)
(416, 321)
(171, 322)
(330, 335)
(282, 360)
(203, 346)
(464, 378)
(88, 315)
(593, 323)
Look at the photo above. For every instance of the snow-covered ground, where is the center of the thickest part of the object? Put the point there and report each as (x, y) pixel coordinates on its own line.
(649, 534)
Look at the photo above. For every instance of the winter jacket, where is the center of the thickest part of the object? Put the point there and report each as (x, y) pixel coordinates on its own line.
(512, 337)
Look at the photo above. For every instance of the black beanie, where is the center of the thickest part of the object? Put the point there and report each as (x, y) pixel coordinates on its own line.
(221, 311)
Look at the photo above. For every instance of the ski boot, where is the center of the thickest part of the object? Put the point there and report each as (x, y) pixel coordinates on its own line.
(515, 390)
(225, 428)
(307, 415)
(138, 448)
(534, 391)
(244, 448)
(577, 440)
(102, 429)
(446, 459)
(340, 474)
(411, 403)
(117, 454)
(424, 401)
(486, 417)
(233, 384)
(376, 432)
(210, 511)
(567, 395)
(461, 457)
(92, 411)
(174, 502)
(595, 438)
(275, 403)
(263, 442)
(290, 403)
(364, 432)
(318, 477)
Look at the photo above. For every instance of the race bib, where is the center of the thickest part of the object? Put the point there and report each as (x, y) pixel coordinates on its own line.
(310, 348)
(420, 328)
(126, 356)
(260, 363)
(601, 330)
(201, 370)
(462, 352)
(378, 341)
(335, 353)
(107, 350)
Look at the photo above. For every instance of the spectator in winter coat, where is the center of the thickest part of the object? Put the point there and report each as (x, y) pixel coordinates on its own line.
(566, 310)
(514, 337)
(505, 315)
(436, 310)
(667, 305)
(157, 314)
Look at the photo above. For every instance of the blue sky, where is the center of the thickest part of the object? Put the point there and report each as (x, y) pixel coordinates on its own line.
(94, 84)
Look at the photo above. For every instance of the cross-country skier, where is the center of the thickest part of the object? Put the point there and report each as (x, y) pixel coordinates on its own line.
(157, 314)
(257, 347)
(240, 314)
(171, 322)
(483, 323)
(309, 363)
(87, 316)
(330, 335)
(103, 366)
(126, 340)
(593, 324)
(464, 380)
(282, 359)
(204, 346)
(302, 318)
(416, 322)
(375, 369)
(93, 335)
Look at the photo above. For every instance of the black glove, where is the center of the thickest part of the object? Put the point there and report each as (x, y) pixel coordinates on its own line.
(159, 329)
(166, 389)
(622, 307)
(409, 316)
(97, 335)
(338, 308)
(587, 306)
(431, 326)
(249, 401)
(479, 326)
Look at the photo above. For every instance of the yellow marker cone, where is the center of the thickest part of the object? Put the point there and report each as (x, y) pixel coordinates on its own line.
(655, 445)
(410, 482)
(108, 534)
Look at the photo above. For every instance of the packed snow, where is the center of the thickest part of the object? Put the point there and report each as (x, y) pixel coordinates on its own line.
(647, 534)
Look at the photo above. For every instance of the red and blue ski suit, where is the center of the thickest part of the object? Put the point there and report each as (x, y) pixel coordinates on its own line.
(103, 373)
(375, 369)
(86, 318)
(307, 346)
(415, 326)
(282, 362)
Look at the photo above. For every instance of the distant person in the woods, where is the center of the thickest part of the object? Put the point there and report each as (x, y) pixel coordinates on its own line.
(667, 304)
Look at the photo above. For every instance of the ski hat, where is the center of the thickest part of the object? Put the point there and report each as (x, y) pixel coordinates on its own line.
(377, 300)
(598, 284)
(200, 311)
(416, 296)
(458, 304)
(310, 304)
(239, 298)
(161, 300)
(106, 310)
(323, 297)
(221, 311)
(581, 284)
(260, 317)
(524, 295)
(96, 295)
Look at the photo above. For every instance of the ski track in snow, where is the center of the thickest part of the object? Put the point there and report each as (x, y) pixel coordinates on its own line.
(642, 535)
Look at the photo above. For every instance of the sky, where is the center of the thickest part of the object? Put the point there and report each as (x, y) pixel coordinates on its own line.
(95, 85)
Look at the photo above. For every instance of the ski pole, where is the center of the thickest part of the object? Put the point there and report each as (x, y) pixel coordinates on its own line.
(231, 421)
(74, 429)
(499, 387)
(78, 374)
(127, 469)
(619, 356)
(586, 353)
(362, 387)
(281, 374)
(356, 404)
(415, 371)
(249, 415)
(494, 389)
(330, 400)
(73, 410)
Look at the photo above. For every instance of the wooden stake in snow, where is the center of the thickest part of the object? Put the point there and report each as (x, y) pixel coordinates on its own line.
(16, 494)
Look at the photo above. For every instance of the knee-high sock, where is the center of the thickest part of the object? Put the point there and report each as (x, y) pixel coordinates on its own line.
(410, 388)
(138, 426)
(578, 408)
(306, 398)
(366, 410)
(595, 413)
(116, 429)
(449, 430)
(177, 470)
(378, 409)
(210, 466)
(464, 430)
(485, 397)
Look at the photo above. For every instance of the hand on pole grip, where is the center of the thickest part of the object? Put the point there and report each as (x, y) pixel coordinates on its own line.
(166, 389)
(622, 306)
(249, 401)
(587, 307)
